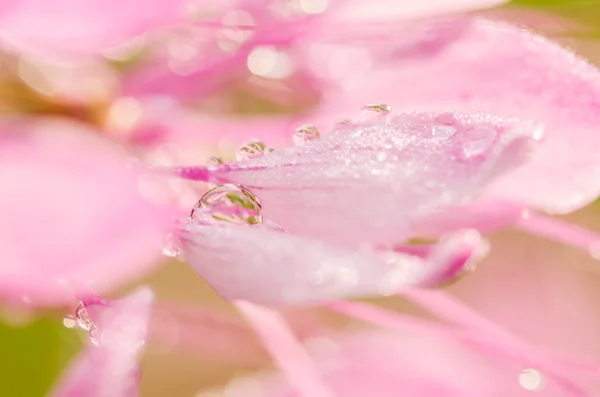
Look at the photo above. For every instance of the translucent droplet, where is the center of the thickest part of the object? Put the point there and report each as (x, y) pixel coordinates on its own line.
(84, 321)
(214, 161)
(445, 125)
(371, 111)
(94, 334)
(305, 133)
(531, 379)
(252, 150)
(478, 140)
(171, 245)
(229, 203)
(343, 123)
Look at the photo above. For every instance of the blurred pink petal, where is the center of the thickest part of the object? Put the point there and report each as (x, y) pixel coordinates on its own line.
(268, 266)
(479, 337)
(80, 26)
(203, 331)
(491, 66)
(385, 364)
(111, 368)
(290, 356)
(550, 294)
(73, 220)
(377, 11)
(368, 182)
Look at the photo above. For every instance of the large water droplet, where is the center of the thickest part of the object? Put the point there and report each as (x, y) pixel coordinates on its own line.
(171, 246)
(229, 203)
(478, 139)
(252, 150)
(305, 133)
(374, 111)
(531, 379)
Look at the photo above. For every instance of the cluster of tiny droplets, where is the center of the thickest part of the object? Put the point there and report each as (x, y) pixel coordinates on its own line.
(83, 320)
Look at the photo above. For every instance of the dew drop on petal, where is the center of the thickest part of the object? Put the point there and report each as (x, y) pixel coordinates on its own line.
(371, 111)
(343, 123)
(531, 379)
(305, 133)
(84, 321)
(171, 245)
(478, 139)
(229, 203)
(214, 161)
(94, 334)
(252, 150)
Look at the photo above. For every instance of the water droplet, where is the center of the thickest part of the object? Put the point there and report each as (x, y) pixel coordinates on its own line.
(531, 379)
(343, 123)
(252, 150)
(84, 321)
(373, 112)
(445, 125)
(94, 334)
(229, 203)
(381, 156)
(478, 140)
(376, 108)
(214, 161)
(305, 133)
(526, 214)
(171, 246)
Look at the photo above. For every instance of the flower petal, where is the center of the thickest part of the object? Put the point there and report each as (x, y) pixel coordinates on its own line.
(268, 266)
(381, 363)
(79, 26)
(72, 217)
(354, 11)
(494, 67)
(111, 368)
(369, 182)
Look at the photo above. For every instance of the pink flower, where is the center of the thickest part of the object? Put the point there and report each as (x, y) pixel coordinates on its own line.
(73, 221)
(108, 366)
(341, 190)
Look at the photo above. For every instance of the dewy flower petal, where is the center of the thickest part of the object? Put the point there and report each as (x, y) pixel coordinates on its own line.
(111, 368)
(368, 182)
(79, 26)
(268, 266)
(382, 363)
(495, 67)
(72, 217)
